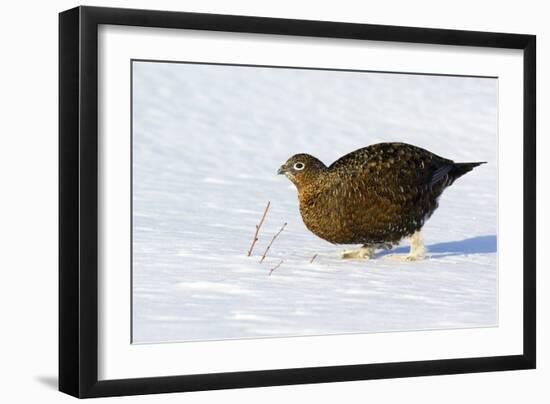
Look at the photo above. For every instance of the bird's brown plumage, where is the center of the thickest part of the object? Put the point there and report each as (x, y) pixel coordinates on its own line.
(373, 196)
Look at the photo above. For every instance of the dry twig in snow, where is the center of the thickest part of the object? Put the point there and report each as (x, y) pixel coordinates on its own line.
(258, 229)
(313, 258)
(271, 242)
(275, 267)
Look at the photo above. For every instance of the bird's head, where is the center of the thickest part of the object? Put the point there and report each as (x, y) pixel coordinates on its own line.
(302, 169)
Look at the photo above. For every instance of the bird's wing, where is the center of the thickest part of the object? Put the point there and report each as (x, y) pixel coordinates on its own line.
(440, 173)
(393, 171)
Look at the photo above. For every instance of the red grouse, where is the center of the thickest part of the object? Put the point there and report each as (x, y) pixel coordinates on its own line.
(374, 196)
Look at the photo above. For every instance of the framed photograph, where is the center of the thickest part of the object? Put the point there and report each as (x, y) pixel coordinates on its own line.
(249, 201)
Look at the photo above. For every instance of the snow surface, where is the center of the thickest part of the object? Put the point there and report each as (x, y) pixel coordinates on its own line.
(207, 142)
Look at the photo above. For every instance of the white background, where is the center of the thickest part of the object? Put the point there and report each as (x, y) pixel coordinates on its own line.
(28, 162)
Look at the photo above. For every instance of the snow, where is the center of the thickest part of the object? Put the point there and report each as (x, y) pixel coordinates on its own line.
(207, 143)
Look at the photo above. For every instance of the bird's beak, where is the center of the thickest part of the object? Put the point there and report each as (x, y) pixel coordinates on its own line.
(281, 170)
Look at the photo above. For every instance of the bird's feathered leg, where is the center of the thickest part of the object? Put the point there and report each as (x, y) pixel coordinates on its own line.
(365, 252)
(417, 251)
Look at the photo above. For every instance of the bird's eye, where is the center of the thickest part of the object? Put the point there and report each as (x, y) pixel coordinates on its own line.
(299, 166)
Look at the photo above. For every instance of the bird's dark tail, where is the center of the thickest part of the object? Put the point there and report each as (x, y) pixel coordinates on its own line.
(460, 169)
(448, 173)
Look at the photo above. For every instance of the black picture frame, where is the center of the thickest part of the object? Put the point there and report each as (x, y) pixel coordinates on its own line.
(78, 201)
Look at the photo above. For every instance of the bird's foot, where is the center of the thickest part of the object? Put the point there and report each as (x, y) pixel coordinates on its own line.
(416, 253)
(359, 253)
(404, 257)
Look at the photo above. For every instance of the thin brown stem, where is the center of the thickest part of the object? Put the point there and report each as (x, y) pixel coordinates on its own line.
(271, 242)
(275, 267)
(313, 258)
(249, 253)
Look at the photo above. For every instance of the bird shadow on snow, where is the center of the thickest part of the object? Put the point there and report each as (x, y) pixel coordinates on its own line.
(474, 245)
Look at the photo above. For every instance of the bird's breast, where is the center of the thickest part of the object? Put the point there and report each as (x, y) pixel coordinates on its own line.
(323, 212)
